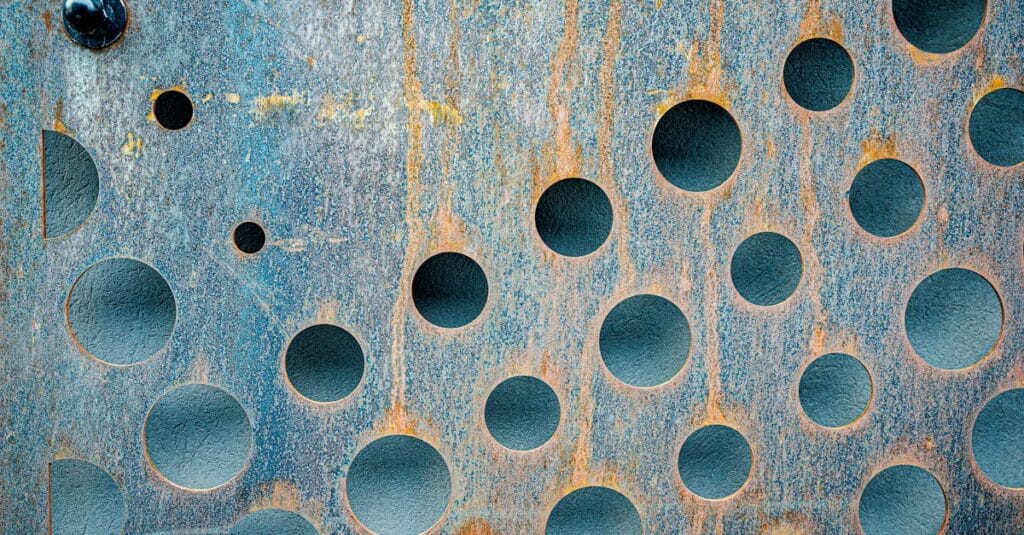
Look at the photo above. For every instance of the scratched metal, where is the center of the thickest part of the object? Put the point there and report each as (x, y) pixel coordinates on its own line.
(367, 135)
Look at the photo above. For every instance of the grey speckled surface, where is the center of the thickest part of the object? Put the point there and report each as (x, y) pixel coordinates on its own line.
(368, 135)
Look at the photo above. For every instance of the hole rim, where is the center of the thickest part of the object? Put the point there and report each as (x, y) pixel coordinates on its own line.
(299, 396)
(892, 463)
(985, 479)
(49, 490)
(799, 285)
(597, 250)
(234, 241)
(674, 462)
(158, 93)
(918, 222)
(234, 479)
(855, 422)
(165, 348)
(854, 79)
(719, 189)
(423, 321)
(895, 30)
(547, 443)
(976, 156)
(588, 485)
(668, 383)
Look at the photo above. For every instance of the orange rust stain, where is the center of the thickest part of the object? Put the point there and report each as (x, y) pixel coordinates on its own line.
(876, 147)
(705, 69)
(811, 22)
(565, 155)
(58, 121)
(476, 527)
(996, 82)
(46, 21)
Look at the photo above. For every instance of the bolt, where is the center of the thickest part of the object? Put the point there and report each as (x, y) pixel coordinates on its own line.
(94, 23)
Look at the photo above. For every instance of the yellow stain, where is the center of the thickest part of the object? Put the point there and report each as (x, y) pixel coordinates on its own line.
(440, 114)
(132, 145)
(232, 98)
(274, 103)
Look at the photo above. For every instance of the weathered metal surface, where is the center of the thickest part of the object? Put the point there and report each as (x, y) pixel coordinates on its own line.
(368, 135)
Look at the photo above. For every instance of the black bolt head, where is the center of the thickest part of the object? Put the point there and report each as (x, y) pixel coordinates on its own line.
(94, 23)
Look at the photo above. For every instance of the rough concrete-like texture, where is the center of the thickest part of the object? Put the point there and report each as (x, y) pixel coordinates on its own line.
(367, 136)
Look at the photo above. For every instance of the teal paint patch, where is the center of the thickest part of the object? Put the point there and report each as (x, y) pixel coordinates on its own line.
(644, 340)
(938, 26)
(594, 511)
(198, 436)
(71, 184)
(249, 237)
(121, 311)
(573, 217)
(449, 290)
(522, 413)
(835, 390)
(273, 521)
(766, 268)
(818, 74)
(886, 197)
(398, 485)
(715, 461)
(84, 500)
(324, 363)
(997, 439)
(902, 500)
(696, 145)
(996, 127)
(953, 318)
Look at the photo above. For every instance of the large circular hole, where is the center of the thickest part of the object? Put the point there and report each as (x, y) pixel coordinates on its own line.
(953, 318)
(249, 237)
(398, 485)
(594, 511)
(715, 462)
(997, 438)
(997, 127)
(173, 109)
(818, 74)
(886, 197)
(121, 311)
(71, 184)
(197, 436)
(276, 521)
(696, 145)
(449, 290)
(324, 363)
(835, 390)
(766, 268)
(522, 413)
(574, 217)
(903, 500)
(84, 499)
(644, 341)
(938, 26)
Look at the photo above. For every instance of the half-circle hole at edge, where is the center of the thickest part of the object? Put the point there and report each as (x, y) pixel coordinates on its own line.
(71, 184)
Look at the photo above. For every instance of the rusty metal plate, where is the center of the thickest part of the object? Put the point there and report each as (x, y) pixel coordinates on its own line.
(783, 297)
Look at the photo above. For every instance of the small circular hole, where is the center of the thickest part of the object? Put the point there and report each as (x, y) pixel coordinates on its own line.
(324, 363)
(953, 318)
(766, 268)
(902, 499)
(938, 26)
(818, 74)
(522, 413)
(173, 109)
(835, 390)
(886, 197)
(715, 462)
(449, 290)
(594, 511)
(996, 127)
(574, 217)
(696, 145)
(249, 237)
(997, 438)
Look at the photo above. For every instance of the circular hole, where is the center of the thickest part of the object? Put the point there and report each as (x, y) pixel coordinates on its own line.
(818, 74)
(173, 109)
(449, 290)
(953, 318)
(996, 127)
(938, 26)
(324, 363)
(197, 436)
(715, 462)
(696, 145)
(886, 197)
(522, 413)
(645, 340)
(276, 521)
(574, 217)
(398, 484)
(835, 390)
(594, 511)
(249, 237)
(84, 499)
(766, 268)
(121, 311)
(904, 500)
(997, 438)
